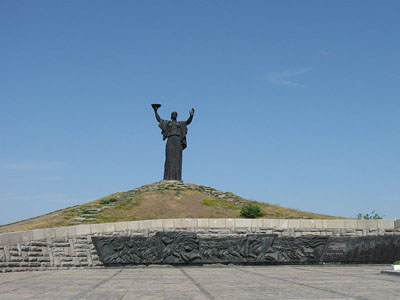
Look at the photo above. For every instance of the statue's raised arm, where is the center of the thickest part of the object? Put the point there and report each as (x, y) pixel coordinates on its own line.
(191, 114)
(156, 107)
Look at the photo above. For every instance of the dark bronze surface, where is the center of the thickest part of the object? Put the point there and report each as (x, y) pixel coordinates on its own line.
(187, 248)
(175, 134)
(365, 249)
(156, 106)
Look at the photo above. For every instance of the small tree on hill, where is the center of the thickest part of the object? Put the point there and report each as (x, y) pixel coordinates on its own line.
(373, 216)
(251, 211)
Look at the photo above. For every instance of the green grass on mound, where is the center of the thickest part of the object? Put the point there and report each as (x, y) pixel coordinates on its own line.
(157, 201)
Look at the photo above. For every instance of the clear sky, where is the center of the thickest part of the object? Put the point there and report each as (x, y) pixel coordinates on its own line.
(297, 102)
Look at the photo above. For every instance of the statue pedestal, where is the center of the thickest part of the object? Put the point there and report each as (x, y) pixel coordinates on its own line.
(171, 181)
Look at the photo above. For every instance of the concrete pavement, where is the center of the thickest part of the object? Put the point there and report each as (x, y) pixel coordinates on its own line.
(360, 282)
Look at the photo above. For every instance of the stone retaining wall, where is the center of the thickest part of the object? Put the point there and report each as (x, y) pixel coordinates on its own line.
(69, 247)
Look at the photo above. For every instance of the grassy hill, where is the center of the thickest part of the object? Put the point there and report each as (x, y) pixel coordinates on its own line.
(161, 200)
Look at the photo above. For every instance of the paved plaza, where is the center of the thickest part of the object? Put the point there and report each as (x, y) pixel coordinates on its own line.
(213, 282)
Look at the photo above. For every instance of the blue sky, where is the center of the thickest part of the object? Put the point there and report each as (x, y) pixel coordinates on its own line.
(297, 102)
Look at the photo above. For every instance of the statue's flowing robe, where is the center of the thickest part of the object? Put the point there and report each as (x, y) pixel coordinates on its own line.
(175, 133)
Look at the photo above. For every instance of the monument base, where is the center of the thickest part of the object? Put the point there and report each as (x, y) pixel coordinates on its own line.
(171, 181)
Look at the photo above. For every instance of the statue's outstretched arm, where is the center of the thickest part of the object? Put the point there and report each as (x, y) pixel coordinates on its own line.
(157, 115)
(191, 112)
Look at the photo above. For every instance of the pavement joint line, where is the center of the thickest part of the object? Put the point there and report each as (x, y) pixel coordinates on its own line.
(126, 294)
(198, 285)
(83, 294)
(303, 284)
(349, 275)
(28, 277)
(21, 287)
(163, 285)
(55, 288)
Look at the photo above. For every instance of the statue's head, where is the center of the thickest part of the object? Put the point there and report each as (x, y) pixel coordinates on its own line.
(174, 115)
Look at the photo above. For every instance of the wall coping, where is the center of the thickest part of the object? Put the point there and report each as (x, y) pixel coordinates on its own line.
(185, 223)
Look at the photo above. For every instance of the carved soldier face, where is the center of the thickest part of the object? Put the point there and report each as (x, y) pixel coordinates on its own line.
(174, 115)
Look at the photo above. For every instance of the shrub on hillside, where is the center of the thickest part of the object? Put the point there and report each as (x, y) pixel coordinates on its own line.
(108, 201)
(373, 216)
(251, 211)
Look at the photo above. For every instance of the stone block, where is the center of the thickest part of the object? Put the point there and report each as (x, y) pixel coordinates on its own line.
(15, 237)
(386, 224)
(83, 230)
(350, 224)
(38, 234)
(49, 233)
(71, 231)
(321, 224)
(81, 254)
(109, 227)
(190, 223)
(202, 223)
(230, 223)
(58, 244)
(295, 223)
(243, 223)
(283, 223)
(4, 240)
(96, 228)
(216, 223)
(121, 226)
(397, 223)
(27, 236)
(16, 259)
(367, 224)
(270, 223)
(156, 224)
(61, 232)
(43, 259)
(256, 223)
(335, 224)
(143, 225)
(65, 259)
(133, 225)
(307, 224)
(168, 223)
(178, 223)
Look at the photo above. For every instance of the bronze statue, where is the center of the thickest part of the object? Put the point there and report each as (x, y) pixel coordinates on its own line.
(175, 133)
